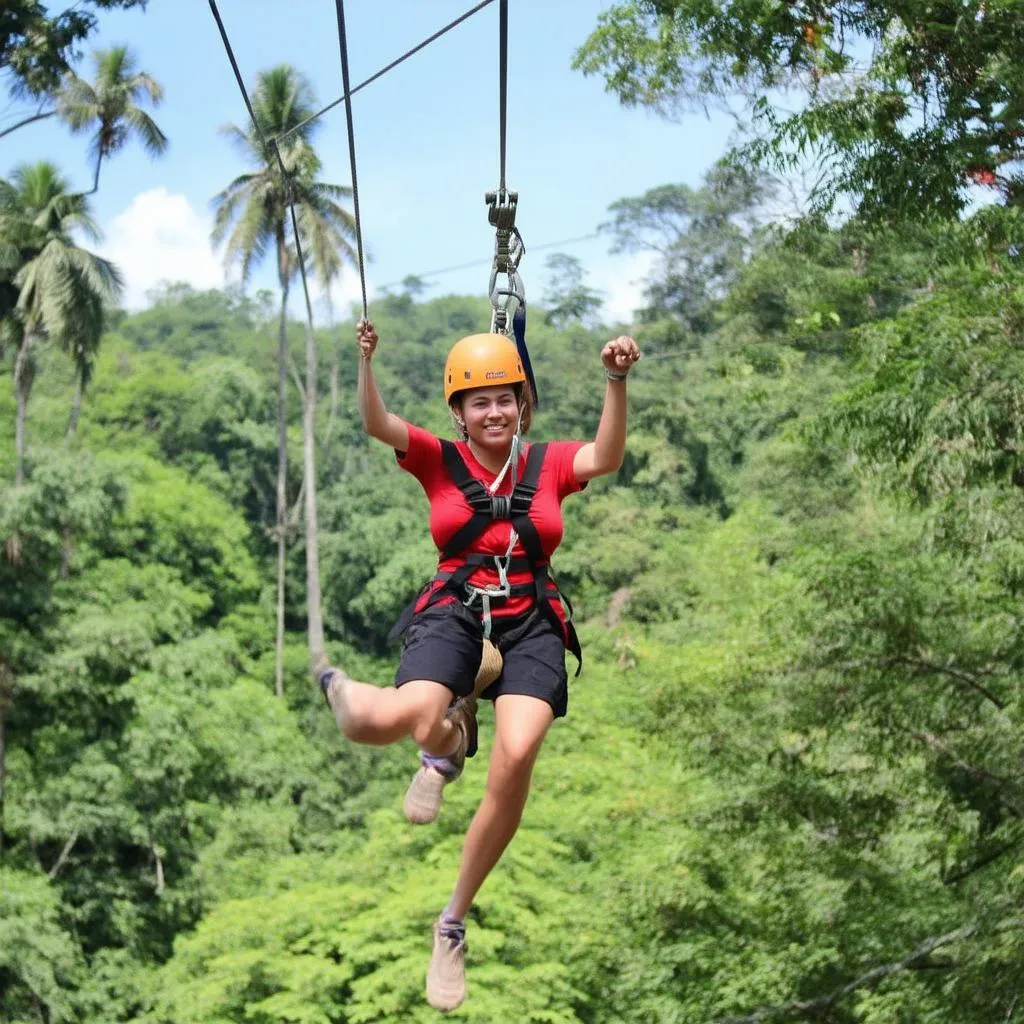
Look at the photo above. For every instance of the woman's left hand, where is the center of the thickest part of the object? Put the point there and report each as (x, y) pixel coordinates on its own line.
(620, 354)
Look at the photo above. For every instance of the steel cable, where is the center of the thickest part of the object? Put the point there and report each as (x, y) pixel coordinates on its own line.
(389, 67)
(343, 43)
(502, 85)
(486, 261)
(268, 147)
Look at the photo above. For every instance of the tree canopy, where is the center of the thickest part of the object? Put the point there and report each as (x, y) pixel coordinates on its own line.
(904, 104)
(37, 47)
(790, 786)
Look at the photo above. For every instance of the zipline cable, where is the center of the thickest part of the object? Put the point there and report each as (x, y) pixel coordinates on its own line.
(343, 43)
(487, 261)
(267, 149)
(502, 85)
(394, 64)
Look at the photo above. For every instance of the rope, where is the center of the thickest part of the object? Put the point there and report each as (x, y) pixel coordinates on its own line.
(268, 148)
(342, 40)
(389, 67)
(489, 670)
(502, 84)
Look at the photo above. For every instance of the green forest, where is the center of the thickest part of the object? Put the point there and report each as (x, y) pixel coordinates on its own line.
(791, 783)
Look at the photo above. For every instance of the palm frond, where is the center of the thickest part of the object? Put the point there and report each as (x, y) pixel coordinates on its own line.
(36, 184)
(146, 129)
(282, 98)
(143, 87)
(99, 275)
(10, 257)
(334, 213)
(328, 247)
(78, 105)
(226, 206)
(113, 65)
(247, 143)
(322, 188)
(253, 236)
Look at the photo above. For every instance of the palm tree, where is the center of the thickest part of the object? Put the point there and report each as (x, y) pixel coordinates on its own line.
(252, 217)
(61, 289)
(110, 105)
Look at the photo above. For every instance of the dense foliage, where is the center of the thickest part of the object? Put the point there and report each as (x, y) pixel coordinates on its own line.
(789, 786)
(905, 103)
(39, 45)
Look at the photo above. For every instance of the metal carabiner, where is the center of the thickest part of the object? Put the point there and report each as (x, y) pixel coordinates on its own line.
(505, 300)
(508, 251)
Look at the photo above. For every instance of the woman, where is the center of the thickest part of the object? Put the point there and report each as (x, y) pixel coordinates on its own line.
(496, 518)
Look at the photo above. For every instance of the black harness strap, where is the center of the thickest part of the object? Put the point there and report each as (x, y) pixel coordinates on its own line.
(486, 508)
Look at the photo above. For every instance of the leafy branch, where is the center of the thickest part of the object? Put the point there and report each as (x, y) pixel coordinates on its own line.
(916, 960)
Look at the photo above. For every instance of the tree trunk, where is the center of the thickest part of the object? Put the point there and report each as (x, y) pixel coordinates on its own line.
(96, 177)
(28, 120)
(22, 387)
(76, 409)
(335, 375)
(314, 614)
(282, 475)
(67, 551)
(67, 547)
(333, 411)
(5, 697)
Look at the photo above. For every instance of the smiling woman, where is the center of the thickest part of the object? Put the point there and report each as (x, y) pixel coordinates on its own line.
(495, 516)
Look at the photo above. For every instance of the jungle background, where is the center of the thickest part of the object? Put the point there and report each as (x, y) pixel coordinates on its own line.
(791, 784)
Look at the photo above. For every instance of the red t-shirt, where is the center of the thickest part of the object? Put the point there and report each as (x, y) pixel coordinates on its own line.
(449, 509)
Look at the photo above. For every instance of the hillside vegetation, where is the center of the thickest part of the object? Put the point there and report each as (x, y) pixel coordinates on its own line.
(790, 785)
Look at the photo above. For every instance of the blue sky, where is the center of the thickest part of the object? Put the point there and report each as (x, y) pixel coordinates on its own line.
(427, 138)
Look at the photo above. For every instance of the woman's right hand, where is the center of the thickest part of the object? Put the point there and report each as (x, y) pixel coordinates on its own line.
(366, 334)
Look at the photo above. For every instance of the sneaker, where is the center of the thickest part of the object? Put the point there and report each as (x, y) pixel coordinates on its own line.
(446, 977)
(463, 714)
(332, 683)
(425, 793)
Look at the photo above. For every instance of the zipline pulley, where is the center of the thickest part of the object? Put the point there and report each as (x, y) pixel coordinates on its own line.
(506, 296)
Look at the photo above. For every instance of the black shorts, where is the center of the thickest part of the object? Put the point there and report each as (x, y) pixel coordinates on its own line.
(444, 643)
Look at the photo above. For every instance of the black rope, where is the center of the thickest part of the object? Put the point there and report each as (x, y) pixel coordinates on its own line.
(394, 64)
(340, 5)
(502, 83)
(268, 148)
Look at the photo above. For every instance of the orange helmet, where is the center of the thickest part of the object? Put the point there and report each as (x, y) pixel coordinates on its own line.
(481, 361)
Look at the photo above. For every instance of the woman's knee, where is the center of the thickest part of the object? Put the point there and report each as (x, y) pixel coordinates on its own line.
(522, 724)
(425, 704)
(518, 755)
(357, 727)
(511, 769)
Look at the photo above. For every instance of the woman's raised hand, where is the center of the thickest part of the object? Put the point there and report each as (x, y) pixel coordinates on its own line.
(619, 355)
(366, 335)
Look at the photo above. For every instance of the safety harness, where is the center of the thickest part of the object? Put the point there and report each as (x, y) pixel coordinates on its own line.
(487, 508)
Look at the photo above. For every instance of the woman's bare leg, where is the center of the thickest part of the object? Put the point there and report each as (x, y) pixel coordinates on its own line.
(377, 715)
(521, 723)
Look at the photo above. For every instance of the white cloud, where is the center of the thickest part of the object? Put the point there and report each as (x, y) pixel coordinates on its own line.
(161, 238)
(620, 279)
(346, 297)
